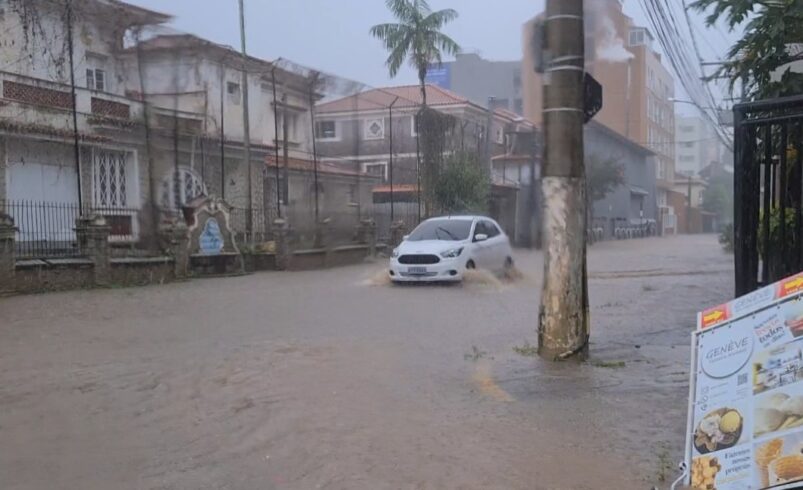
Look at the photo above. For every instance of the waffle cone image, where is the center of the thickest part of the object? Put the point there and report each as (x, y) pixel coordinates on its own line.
(766, 454)
(786, 469)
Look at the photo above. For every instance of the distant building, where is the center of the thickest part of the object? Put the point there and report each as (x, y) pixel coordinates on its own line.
(637, 87)
(633, 203)
(697, 145)
(478, 79)
(354, 132)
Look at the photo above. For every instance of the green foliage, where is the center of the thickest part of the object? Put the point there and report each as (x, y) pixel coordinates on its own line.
(726, 238)
(770, 26)
(775, 230)
(462, 185)
(603, 175)
(718, 198)
(416, 38)
(433, 128)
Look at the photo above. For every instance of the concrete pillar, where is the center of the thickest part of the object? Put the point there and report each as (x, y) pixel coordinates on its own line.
(281, 232)
(323, 239)
(176, 237)
(369, 230)
(397, 232)
(8, 259)
(93, 242)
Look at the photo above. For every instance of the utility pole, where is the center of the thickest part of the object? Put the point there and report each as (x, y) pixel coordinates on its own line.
(285, 153)
(249, 218)
(563, 329)
(390, 152)
(488, 134)
(76, 144)
(688, 207)
(276, 139)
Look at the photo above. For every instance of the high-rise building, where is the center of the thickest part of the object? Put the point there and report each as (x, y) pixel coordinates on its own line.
(697, 145)
(477, 79)
(637, 88)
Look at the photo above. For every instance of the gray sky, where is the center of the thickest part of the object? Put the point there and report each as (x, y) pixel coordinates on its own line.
(332, 35)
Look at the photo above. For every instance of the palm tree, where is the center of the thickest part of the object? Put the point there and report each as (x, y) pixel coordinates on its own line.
(416, 38)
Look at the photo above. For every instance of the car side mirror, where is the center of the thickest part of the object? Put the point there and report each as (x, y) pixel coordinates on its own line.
(480, 237)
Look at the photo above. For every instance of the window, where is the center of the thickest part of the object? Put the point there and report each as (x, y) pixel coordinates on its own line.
(292, 125)
(687, 129)
(442, 229)
(688, 144)
(518, 106)
(500, 135)
(352, 196)
(376, 169)
(686, 158)
(490, 229)
(233, 89)
(637, 37)
(95, 79)
(181, 187)
(374, 129)
(326, 130)
(110, 178)
(414, 125)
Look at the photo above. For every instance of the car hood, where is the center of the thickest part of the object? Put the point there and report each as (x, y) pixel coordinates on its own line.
(428, 246)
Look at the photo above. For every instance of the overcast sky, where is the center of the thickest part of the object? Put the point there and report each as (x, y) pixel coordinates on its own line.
(332, 35)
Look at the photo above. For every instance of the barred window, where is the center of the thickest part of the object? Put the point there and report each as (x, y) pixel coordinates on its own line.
(181, 187)
(110, 178)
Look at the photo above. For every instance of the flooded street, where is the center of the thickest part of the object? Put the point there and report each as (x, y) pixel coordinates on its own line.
(335, 379)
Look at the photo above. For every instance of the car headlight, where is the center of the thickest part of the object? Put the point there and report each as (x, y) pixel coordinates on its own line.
(452, 253)
(394, 253)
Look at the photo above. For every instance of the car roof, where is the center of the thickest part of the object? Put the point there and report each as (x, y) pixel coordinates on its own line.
(458, 217)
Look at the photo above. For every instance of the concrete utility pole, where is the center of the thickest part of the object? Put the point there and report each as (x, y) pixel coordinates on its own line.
(246, 124)
(74, 97)
(563, 328)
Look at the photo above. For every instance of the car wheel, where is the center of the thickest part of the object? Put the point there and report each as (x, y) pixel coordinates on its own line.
(509, 264)
(471, 265)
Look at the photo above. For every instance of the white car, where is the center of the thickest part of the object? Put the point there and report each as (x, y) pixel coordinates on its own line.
(441, 249)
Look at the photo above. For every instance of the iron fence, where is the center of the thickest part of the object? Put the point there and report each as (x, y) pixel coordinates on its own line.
(47, 229)
(768, 191)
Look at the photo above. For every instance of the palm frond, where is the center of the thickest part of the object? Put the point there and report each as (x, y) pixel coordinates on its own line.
(403, 10)
(436, 20)
(446, 44)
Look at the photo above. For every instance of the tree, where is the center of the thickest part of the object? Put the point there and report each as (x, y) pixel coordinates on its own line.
(771, 29)
(718, 198)
(603, 175)
(417, 37)
(463, 185)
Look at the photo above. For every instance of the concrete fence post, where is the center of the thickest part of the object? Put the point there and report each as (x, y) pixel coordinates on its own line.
(176, 237)
(323, 239)
(92, 233)
(370, 232)
(282, 241)
(397, 232)
(8, 255)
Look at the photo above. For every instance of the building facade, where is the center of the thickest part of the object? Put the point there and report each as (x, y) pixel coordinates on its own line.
(634, 202)
(479, 79)
(697, 145)
(637, 88)
(375, 132)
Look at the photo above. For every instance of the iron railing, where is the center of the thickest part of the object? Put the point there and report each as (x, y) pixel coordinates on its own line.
(47, 229)
(768, 191)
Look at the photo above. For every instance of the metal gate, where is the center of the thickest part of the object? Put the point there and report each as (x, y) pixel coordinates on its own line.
(768, 179)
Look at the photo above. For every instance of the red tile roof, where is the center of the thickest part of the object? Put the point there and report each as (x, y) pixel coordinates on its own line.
(382, 98)
(396, 188)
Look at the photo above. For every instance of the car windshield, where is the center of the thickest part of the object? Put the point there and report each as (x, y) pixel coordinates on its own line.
(442, 229)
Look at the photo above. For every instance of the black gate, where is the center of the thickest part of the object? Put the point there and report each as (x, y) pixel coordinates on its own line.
(768, 177)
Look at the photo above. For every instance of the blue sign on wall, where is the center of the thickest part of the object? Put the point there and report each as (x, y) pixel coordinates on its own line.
(439, 75)
(211, 240)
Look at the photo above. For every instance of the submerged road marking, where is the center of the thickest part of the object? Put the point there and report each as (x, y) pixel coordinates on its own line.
(484, 380)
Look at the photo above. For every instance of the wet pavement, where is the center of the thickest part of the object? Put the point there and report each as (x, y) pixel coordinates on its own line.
(335, 379)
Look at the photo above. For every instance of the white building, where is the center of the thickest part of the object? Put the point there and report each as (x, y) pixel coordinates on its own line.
(137, 161)
(696, 145)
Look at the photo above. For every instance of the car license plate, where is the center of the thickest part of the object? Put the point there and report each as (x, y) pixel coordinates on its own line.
(417, 270)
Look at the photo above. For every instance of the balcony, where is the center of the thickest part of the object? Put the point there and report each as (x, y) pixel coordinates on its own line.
(34, 104)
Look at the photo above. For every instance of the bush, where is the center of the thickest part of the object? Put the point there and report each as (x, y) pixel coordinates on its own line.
(726, 238)
(462, 185)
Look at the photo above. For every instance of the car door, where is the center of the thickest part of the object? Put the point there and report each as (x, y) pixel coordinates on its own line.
(494, 246)
(479, 249)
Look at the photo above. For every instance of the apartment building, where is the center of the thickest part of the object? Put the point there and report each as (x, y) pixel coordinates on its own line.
(637, 88)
